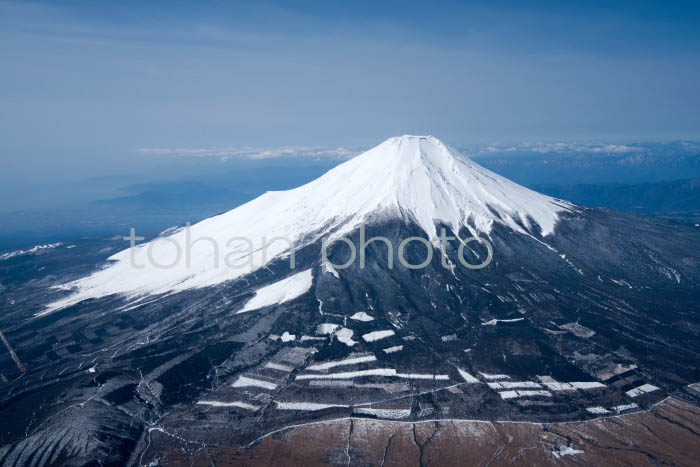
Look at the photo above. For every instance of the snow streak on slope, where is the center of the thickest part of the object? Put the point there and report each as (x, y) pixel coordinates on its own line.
(413, 178)
(281, 291)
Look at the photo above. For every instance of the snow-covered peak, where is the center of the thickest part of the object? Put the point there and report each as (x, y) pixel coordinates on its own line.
(419, 178)
(414, 178)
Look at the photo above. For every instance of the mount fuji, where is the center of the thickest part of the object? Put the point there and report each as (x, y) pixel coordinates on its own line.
(201, 342)
(414, 179)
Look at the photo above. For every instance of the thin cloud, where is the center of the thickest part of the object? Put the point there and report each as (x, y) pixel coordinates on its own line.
(561, 147)
(250, 153)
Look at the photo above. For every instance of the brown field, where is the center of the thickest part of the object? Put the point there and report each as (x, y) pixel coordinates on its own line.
(669, 434)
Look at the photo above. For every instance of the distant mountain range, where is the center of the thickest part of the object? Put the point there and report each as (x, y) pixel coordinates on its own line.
(677, 199)
(569, 163)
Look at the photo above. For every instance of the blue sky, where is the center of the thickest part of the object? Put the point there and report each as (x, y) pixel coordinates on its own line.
(85, 86)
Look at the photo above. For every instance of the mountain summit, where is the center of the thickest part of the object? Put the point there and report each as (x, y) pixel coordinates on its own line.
(416, 179)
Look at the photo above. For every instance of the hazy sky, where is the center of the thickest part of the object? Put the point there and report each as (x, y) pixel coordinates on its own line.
(84, 85)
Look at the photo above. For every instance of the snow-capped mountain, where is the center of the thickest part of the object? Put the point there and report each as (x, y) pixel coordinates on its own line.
(416, 179)
(582, 313)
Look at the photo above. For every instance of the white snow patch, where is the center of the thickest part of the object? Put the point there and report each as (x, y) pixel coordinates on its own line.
(350, 374)
(587, 385)
(376, 335)
(286, 337)
(393, 349)
(597, 410)
(383, 413)
(565, 451)
(240, 405)
(312, 338)
(361, 316)
(514, 394)
(467, 377)
(514, 385)
(244, 382)
(279, 366)
(556, 386)
(345, 336)
(390, 372)
(494, 322)
(308, 406)
(281, 291)
(643, 389)
(624, 407)
(347, 361)
(491, 377)
(327, 328)
(423, 376)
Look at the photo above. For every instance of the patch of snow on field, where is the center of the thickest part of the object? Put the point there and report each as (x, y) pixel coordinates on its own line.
(286, 337)
(312, 338)
(390, 372)
(643, 389)
(565, 451)
(467, 377)
(361, 316)
(240, 405)
(491, 377)
(244, 381)
(587, 385)
(597, 410)
(309, 406)
(376, 335)
(345, 336)
(279, 366)
(556, 386)
(514, 385)
(383, 413)
(423, 376)
(327, 328)
(624, 407)
(281, 291)
(333, 383)
(351, 374)
(396, 348)
(347, 361)
(514, 394)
